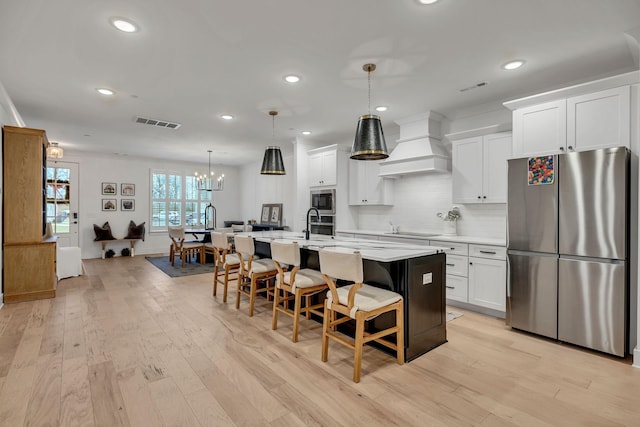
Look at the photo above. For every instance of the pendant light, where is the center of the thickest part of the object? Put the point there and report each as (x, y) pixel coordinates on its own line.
(272, 163)
(54, 151)
(369, 143)
(206, 181)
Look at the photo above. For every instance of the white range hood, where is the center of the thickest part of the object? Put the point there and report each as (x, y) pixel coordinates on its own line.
(419, 148)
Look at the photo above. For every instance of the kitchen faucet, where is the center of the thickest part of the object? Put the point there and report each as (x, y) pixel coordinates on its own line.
(306, 232)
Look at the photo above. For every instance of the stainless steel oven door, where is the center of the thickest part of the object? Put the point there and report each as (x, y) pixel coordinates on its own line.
(324, 201)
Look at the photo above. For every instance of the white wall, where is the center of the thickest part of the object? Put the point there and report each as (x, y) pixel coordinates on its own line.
(94, 169)
(260, 189)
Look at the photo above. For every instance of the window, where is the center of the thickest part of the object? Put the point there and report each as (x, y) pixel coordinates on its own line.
(176, 200)
(58, 198)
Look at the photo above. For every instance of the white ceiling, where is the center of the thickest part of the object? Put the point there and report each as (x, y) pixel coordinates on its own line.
(193, 60)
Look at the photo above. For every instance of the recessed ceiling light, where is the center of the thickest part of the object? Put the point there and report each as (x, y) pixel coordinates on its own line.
(381, 108)
(512, 65)
(105, 91)
(292, 78)
(306, 132)
(226, 116)
(124, 25)
(427, 1)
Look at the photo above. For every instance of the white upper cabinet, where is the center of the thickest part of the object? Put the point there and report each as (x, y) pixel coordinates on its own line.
(365, 186)
(540, 129)
(574, 123)
(600, 119)
(479, 170)
(323, 166)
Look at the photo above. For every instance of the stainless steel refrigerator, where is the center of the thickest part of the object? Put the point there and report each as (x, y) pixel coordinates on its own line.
(568, 247)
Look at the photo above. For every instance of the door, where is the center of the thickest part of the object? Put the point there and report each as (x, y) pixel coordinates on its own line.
(62, 201)
(496, 149)
(593, 203)
(592, 301)
(532, 297)
(487, 279)
(466, 175)
(531, 211)
(540, 129)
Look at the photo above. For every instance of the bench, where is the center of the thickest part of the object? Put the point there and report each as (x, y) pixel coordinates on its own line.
(132, 244)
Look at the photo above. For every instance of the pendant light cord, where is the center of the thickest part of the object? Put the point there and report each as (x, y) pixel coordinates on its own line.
(369, 85)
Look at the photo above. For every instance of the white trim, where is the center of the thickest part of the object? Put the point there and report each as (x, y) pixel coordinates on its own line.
(636, 357)
(579, 89)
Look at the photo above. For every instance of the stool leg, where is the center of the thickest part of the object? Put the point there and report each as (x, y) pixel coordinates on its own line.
(252, 295)
(357, 357)
(325, 333)
(226, 283)
(400, 333)
(215, 279)
(296, 314)
(274, 318)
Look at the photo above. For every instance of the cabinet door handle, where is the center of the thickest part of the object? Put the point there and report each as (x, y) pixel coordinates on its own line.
(453, 249)
(570, 148)
(451, 265)
(450, 287)
(470, 263)
(484, 197)
(561, 148)
(488, 252)
(479, 197)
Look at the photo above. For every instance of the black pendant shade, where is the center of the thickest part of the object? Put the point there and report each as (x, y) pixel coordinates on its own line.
(369, 143)
(272, 163)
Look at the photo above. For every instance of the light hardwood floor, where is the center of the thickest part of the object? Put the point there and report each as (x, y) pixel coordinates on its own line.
(127, 345)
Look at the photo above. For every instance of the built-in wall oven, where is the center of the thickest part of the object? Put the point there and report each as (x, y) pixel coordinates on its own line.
(323, 225)
(324, 201)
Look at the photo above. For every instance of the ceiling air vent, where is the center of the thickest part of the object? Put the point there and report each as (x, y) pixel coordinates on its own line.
(158, 123)
(475, 86)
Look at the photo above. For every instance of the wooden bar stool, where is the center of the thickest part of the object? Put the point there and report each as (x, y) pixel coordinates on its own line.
(294, 284)
(357, 301)
(252, 271)
(225, 261)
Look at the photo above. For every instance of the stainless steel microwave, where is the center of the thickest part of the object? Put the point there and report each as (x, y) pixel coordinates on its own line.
(324, 201)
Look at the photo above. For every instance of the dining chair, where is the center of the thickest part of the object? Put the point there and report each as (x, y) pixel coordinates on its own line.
(252, 272)
(357, 301)
(294, 284)
(181, 248)
(226, 262)
(208, 248)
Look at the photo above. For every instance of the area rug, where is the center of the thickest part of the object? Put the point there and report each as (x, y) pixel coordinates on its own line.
(452, 315)
(190, 268)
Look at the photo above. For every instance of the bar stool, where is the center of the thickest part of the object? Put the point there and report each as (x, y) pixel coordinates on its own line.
(224, 261)
(294, 284)
(209, 247)
(252, 270)
(357, 301)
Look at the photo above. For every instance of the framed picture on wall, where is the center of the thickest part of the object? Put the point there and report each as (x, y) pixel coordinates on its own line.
(273, 212)
(127, 189)
(265, 214)
(128, 205)
(109, 188)
(109, 204)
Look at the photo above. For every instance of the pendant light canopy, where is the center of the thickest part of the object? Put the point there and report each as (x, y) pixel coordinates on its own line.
(272, 163)
(54, 151)
(369, 143)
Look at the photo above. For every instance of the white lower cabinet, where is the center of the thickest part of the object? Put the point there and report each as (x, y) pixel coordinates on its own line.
(457, 288)
(488, 277)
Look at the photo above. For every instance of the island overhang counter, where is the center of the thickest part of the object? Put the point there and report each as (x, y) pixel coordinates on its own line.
(416, 272)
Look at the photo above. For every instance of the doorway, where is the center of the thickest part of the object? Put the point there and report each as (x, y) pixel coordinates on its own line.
(62, 201)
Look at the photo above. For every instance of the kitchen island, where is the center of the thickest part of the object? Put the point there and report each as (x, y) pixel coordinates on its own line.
(416, 272)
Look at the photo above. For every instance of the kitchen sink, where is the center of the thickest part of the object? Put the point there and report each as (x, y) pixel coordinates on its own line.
(410, 233)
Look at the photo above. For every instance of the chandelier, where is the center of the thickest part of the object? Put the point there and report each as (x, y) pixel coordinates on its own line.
(208, 182)
(54, 151)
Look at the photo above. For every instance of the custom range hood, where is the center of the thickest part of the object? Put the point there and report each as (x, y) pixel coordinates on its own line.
(419, 149)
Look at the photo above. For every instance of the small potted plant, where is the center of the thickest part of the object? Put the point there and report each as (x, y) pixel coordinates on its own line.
(450, 221)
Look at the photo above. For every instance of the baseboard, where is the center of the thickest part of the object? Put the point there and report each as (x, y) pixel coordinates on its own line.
(636, 357)
(472, 307)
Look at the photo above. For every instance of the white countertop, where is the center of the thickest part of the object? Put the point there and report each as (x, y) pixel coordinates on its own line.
(432, 236)
(374, 250)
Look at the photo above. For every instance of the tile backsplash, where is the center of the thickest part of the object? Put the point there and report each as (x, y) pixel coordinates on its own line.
(418, 199)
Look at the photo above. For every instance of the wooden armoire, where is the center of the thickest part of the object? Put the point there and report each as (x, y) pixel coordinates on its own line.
(29, 260)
